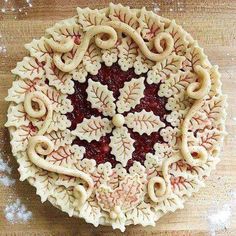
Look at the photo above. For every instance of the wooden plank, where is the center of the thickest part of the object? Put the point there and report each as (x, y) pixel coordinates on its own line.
(212, 23)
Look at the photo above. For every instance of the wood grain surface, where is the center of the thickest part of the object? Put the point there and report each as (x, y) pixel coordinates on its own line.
(213, 24)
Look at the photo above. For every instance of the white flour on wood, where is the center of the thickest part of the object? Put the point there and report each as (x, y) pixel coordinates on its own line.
(5, 171)
(219, 219)
(220, 215)
(16, 212)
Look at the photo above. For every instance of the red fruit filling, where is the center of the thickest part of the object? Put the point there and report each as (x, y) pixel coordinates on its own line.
(114, 78)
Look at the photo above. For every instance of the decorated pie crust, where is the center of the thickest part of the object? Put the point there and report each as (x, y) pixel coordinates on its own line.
(116, 116)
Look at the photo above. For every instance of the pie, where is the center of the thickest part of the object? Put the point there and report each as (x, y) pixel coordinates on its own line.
(116, 116)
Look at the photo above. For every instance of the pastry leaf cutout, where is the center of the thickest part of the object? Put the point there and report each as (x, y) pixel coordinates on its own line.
(109, 56)
(181, 167)
(142, 214)
(128, 52)
(142, 64)
(176, 84)
(151, 24)
(213, 109)
(126, 196)
(91, 212)
(130, 94)
(194, 56)
(58, 100)
(164, 69)
(90, 17)
(210, 138)
(182, 185)
(69, 56)
(92, 59)
(101, 98)
(122, 145)
(199, 121)
(80, 73)
(179, 36)
(26, 168)
(123, 14)
(93, 128)
(144, 122)
(60, 80)
(21, 87)
(59, 122)
(17, 116)
(66, 155)
(60, 138)
(45, 182)
(65, 199)
(67, 28)
(20, 138)
(39, 49)
(29, 68)
(171, 204)
(67, 181)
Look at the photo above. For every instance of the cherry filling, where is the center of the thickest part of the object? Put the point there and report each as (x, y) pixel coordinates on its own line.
(114, 78)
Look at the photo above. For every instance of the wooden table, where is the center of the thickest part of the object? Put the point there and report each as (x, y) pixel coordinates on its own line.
(213, 23)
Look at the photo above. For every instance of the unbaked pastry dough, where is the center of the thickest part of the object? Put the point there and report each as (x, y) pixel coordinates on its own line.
(172, 102)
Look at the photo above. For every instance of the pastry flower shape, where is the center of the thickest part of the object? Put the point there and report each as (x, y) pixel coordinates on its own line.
(117, 117)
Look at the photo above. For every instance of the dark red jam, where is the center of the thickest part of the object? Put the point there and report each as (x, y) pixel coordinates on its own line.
(114, 78)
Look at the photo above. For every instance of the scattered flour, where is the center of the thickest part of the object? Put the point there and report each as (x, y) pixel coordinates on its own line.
(219, 219)
(156, 7)
(5, 171)
(3, 49)
(232, 194)
(7, 181)
(4, 166)
(16, 212)
(7, 6)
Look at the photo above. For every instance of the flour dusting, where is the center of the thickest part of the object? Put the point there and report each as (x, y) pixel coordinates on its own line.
(220, 219)
(4, 166)
(156, 7)
(5, 171)
(16, 212)
(7, 181)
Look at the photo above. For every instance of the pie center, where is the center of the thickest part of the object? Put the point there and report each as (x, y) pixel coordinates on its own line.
(118, 120)
(114, 78)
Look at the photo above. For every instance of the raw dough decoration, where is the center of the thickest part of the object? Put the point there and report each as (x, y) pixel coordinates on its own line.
(116, 116)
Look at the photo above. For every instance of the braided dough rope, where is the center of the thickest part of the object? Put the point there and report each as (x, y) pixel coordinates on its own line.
(108, 28)
(198, 91)
(41, 145)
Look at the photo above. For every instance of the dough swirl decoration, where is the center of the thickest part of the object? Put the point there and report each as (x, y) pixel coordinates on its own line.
(164, 185)
(44, 108)
(197, 91)
(108, 29)
(41, 145)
